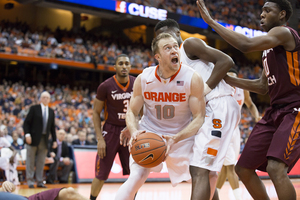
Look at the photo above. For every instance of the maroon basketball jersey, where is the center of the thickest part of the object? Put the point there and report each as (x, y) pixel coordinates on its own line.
(116, 98)
(282, 70)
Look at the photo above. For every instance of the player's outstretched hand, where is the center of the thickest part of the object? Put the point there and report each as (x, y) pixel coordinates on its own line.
(101, 148)
(125, 137)
(133, 138)
(170, 141)
(203, 11)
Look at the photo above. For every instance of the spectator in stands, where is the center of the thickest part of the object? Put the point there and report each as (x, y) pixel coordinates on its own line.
(81, 139)
(69, 139)
(62, 159)
(8, 162)
(37, 126)
(3, 129)
(91, 139)
(16, 141)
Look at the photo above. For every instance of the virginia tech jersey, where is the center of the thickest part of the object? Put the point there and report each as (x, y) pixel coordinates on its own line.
(116, 98)
(205, 69)
(283, 72)
(166, 107)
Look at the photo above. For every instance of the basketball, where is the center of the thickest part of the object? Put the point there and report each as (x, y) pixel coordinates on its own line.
(148, 150)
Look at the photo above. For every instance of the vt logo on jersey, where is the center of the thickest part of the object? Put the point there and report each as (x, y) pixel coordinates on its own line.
(165, 96)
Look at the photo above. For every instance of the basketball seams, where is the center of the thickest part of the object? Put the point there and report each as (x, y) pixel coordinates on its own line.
(139, 140)
(149, 150)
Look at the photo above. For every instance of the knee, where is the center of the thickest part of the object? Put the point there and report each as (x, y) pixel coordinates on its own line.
(276, 169)
(199, 172)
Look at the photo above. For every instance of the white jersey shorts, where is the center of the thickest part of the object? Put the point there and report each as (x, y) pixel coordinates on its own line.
(177, 162)
(213, 139)
(234, 148)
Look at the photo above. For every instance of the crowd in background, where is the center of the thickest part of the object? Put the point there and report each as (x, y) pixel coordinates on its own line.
(73, 112)
(73, 106)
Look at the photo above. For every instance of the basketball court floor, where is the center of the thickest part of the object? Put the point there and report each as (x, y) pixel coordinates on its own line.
(157, 190)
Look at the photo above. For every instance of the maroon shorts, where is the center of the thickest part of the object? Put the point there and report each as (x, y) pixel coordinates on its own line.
(46, 195)
(112, 138)
(275, 135)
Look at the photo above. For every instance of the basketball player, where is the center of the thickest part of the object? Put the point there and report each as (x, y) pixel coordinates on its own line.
(113, 95)
(171, 96)
(274, 144)
(222, 110)
(52, 194)
(241, 96)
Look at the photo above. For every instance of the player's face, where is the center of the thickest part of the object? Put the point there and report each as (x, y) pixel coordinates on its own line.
(270, 16)
(175, 32)
(123, 66)
(168, 54)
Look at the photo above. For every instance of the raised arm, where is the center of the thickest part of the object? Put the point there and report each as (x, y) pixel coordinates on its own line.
(197, 49)
(251, 106)
(276, 36)
(136, 104)
(259, 86)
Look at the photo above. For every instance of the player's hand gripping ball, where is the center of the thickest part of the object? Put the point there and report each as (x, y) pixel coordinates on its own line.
(148, 150)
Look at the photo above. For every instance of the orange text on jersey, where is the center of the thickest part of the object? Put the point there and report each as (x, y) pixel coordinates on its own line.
(165, 96)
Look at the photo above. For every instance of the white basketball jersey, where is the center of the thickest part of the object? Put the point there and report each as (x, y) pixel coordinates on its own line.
(239, 96)
(166, 107)
(205, 69)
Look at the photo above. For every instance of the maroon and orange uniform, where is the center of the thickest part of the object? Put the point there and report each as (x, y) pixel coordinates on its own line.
(116, 98)
(277, 133)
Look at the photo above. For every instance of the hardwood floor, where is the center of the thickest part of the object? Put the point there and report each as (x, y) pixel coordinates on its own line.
(157, 190)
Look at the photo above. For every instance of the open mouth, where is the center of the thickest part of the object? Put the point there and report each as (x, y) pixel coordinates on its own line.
(174, 60)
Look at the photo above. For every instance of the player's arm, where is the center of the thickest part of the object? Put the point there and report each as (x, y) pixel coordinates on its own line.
(197, 107)
(135, 106)
(101, 145)
(198, 49)
(276, 36)
(251, 106)
(259, 86)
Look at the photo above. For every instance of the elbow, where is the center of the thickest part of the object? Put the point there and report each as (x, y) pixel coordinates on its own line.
(263, 90)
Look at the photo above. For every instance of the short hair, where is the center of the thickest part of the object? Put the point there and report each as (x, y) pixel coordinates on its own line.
(121, 55)
(233, 71)
(170, 23)
(284, 5)
(154, 45)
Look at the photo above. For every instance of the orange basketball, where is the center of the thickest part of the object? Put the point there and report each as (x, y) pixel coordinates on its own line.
(148, 150)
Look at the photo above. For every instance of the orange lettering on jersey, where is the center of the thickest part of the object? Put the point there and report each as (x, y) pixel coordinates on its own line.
(165, 96)
(217, 123)
(168, 97)
(154, 96)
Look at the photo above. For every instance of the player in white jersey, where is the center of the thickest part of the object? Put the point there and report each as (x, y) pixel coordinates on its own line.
(241, 96)
(222, 113)
(172, 99)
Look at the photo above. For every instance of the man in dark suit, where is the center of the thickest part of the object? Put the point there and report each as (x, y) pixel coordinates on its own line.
(38, 124)
(61, 158)
(81, 139)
